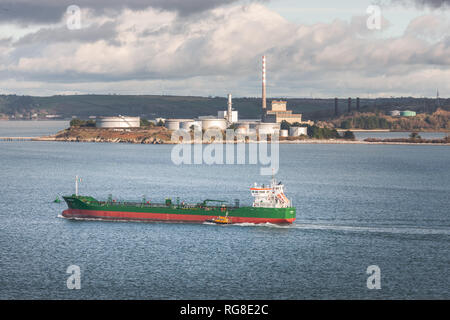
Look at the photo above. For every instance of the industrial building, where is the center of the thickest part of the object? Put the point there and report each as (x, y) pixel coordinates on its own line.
(268, 128)
(298, 131)
(175, 124)
(394, 113)
(220, 124)
(118, 122)
(269, 123)
(405, 113)
(278, 113)
(204, 123)
(190, 124)
(224, 115)
(408, 113)
(230, 115)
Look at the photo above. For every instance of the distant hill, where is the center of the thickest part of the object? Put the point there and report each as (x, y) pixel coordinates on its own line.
(436, 121)
(151, 106)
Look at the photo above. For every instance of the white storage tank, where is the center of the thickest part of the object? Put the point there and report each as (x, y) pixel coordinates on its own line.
(220, 124)
(172, 124)
(175, 124)
(298, 131)
(268, 128)
(242, 128)
(118, 122)
(284, 133)
(187, 125)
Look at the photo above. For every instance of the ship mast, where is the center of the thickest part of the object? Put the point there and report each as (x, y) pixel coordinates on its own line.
(76, 185)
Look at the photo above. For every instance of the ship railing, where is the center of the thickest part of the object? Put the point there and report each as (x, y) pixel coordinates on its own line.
(154, 204)
(127, 203)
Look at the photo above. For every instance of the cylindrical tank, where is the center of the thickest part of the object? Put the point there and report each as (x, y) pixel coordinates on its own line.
(242, 128)
(220, 124)
(118, 122)
(172, 124)
(407, 113)
(244, 125)
(298, 131)
(187, 125)
(394, 113)
(267, 128)
(284, 133)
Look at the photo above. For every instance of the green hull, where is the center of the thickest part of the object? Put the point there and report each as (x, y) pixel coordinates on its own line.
(88, 207)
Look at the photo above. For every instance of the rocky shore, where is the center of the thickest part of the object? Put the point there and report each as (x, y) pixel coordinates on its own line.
(161, 135)
(153, 135)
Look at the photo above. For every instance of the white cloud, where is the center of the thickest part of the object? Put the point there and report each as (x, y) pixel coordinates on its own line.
(217, 51)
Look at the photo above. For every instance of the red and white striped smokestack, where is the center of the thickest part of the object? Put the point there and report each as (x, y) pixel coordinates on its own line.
(264, 84)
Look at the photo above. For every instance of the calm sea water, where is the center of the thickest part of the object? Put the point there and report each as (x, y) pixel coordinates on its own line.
(357, 206)
(31, 128)
(388, 135)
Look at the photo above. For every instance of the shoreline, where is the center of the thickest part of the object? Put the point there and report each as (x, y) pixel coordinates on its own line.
(389, 130)
(305, 141)
(161, 135)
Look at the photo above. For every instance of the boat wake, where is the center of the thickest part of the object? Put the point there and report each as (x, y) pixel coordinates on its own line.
(407, 230)
(390, 229)
(267, 224)
(348, 228)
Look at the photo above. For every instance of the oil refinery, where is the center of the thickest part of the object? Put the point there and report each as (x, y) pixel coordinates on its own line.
(269, 123)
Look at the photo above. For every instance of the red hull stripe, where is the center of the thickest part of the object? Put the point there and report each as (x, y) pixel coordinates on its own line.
(120, 215)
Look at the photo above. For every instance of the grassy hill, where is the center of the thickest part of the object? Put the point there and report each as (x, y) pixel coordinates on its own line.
(151, 106)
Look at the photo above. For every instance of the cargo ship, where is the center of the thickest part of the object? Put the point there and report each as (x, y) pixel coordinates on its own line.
(270, 205)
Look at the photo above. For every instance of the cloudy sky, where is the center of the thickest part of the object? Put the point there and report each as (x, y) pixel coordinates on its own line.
(321, 48)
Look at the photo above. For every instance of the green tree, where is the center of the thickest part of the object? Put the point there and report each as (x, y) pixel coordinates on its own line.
(322, 133)
(76, 122)
(349, 135)
(82, 123)
(285, 125)
(346, 124)
(146, 123)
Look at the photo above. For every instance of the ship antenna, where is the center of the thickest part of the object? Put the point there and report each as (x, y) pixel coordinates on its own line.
(77, 179)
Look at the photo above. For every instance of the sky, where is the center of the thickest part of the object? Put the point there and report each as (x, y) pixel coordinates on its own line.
(317, 49)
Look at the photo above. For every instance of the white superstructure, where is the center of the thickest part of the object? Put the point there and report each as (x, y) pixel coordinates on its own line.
(270, 196)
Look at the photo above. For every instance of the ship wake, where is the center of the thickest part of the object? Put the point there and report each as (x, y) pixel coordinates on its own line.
(407, 230)
(382, 229)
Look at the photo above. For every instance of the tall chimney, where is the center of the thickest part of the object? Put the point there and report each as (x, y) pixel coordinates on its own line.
(230, 110)
(349, 104)
(438, 104)
(263, 87)
(357, 104)
(336, 110)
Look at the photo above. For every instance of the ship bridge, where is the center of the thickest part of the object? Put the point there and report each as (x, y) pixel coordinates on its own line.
(270, 196)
